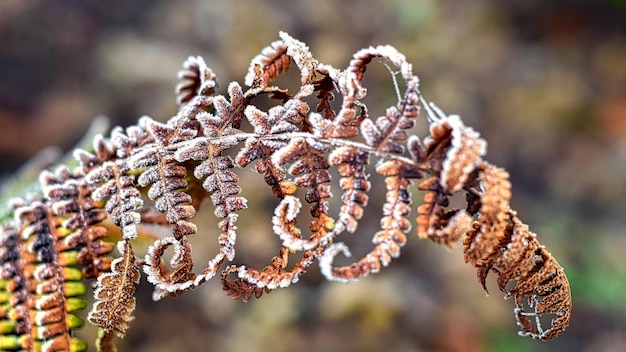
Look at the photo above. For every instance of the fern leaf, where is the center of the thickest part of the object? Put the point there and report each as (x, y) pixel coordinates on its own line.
(431, 211)
(388, 240)
(539, 279)
(104, 151)
(126, 142)
(115, 301)
(309, 165)
(241, 289)
(390, 129)
(168, 187)
(57, 238)
(266, 66)
(351, 164)
(499, 239)
(180, 278)
(252, 282)
(15, 311)
(261, 150)
(325, 87)
(71, 201)
(218, 181)
(51, 285)
(464, 149)
(229, 113)
(123, 198)
(197, 79)
(302, 56)
(166, 180)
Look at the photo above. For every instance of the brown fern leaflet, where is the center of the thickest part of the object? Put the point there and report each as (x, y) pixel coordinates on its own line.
(57, 239)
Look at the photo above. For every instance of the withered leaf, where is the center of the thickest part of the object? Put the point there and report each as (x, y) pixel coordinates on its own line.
(114, 295)
(161, 173)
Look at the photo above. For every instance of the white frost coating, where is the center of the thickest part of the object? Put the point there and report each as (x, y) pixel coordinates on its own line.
(281, 153)
(121, 247)
(154, 273)
(398, 59)
(262, 280)
(251, 75)
(327, 259)
(331, 72)
(349, 85)
(258, 119)
(305, 91)
(227, 239)
(321, 126)
(518, 311)
(292, 205)
(129, 232)
(43, 271)
(242, 272)
(287, 211)
(301, 55)
(321, 147)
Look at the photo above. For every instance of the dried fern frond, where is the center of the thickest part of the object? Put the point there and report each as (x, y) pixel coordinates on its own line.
(266, 66)
(164, 173)
(197, 79)
(82, 217)
(388, 240)
(350, 163)
(115, 300)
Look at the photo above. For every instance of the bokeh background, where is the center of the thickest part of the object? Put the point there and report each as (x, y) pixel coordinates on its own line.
(543, 82)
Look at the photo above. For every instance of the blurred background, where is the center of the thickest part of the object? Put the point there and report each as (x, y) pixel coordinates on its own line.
(543, 82)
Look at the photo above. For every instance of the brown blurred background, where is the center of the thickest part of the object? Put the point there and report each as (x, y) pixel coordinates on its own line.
(544, 83)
